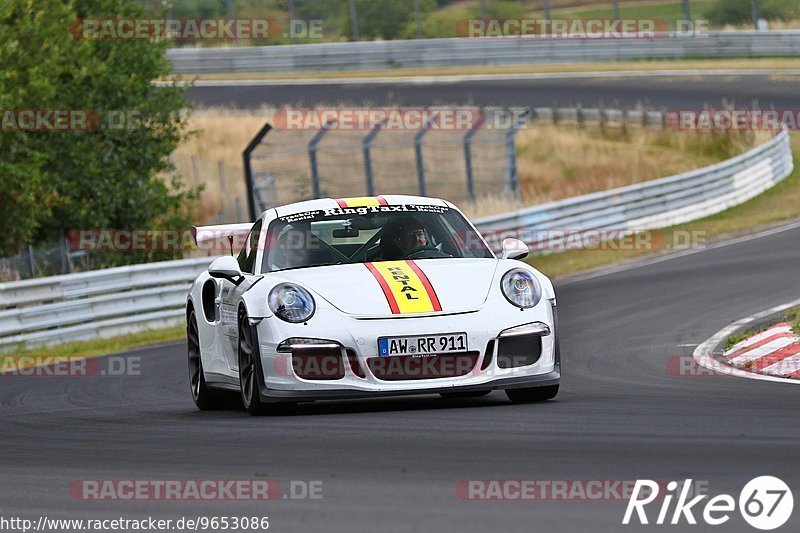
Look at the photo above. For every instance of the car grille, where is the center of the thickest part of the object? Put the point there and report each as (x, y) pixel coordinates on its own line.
(406, 367)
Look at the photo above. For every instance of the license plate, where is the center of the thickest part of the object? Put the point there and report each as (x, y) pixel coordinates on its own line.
(422, 345)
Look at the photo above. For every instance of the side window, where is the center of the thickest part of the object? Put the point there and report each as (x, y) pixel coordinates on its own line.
(247, 257)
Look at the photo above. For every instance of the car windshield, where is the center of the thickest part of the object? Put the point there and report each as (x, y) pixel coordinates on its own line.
(370, 234)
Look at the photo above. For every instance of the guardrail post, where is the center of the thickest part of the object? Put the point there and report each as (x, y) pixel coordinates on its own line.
(511, 181)
(366, 143)
(418, 153)
(468, 154)
(312, 157)
(248, 169)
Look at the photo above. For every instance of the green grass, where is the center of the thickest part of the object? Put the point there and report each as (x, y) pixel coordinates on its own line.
(669, 11)
(792, 316)
(105, 346)
(733, 340)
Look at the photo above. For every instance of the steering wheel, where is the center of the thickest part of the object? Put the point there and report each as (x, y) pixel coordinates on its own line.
(426, 252)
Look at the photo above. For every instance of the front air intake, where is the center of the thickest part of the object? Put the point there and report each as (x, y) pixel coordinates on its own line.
(519, 350)
(319, 363)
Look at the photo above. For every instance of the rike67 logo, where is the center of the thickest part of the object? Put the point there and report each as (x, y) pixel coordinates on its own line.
(765, 503)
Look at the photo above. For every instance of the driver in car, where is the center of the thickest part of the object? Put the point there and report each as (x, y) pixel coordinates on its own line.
(402, 237)
(291, 250)
(412, 235)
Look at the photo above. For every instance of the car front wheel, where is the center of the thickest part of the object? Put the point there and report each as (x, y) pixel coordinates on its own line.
(249, 373)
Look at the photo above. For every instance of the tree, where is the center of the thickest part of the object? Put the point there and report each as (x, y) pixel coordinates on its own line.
(107, 178)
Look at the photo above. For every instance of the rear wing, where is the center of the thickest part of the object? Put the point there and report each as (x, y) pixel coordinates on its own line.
(205, 236)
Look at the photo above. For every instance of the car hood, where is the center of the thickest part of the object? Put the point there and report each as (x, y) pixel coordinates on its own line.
(372, 290)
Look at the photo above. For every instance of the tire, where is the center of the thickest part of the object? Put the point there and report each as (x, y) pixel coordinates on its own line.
(249, 372)
(467, 394)
(532, 394)
(205, 398)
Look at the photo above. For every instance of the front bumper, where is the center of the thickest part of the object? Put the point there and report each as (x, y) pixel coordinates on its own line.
(279, 382)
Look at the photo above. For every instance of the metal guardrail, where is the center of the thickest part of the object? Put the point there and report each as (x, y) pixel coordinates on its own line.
(100, 303)
(124, 299)
(430, 53)
(657, 203)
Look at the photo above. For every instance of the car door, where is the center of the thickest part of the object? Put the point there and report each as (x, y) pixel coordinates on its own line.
(231, 294)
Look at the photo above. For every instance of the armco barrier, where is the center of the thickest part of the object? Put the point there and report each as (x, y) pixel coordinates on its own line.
(434, 53)
(658, 203)
(119, 300)
(101, 303)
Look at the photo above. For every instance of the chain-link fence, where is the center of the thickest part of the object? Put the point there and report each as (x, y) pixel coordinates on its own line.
(38, 261)
(464, 162)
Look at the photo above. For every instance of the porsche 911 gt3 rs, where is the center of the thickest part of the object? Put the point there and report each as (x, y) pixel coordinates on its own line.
(368, 296)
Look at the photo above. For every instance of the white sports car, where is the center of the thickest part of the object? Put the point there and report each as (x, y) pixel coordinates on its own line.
(363, 297)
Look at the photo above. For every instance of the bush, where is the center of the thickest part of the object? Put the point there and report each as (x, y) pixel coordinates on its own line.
(106, 178)
(734, 12)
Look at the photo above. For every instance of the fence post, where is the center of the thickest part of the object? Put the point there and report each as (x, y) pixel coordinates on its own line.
(511, 181)
(68, 256)
(418, 152)
(366, 143)
(468, 155)
(248, 169)
(312, 157)
(195, 170)
(30, 261)
(354, 21)
(64, 255)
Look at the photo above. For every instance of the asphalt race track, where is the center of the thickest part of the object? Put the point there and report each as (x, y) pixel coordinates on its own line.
(393, 464)
(669, 92)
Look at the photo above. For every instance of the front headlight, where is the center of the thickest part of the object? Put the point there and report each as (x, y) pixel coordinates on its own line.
(291, 303)
(521, 288)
